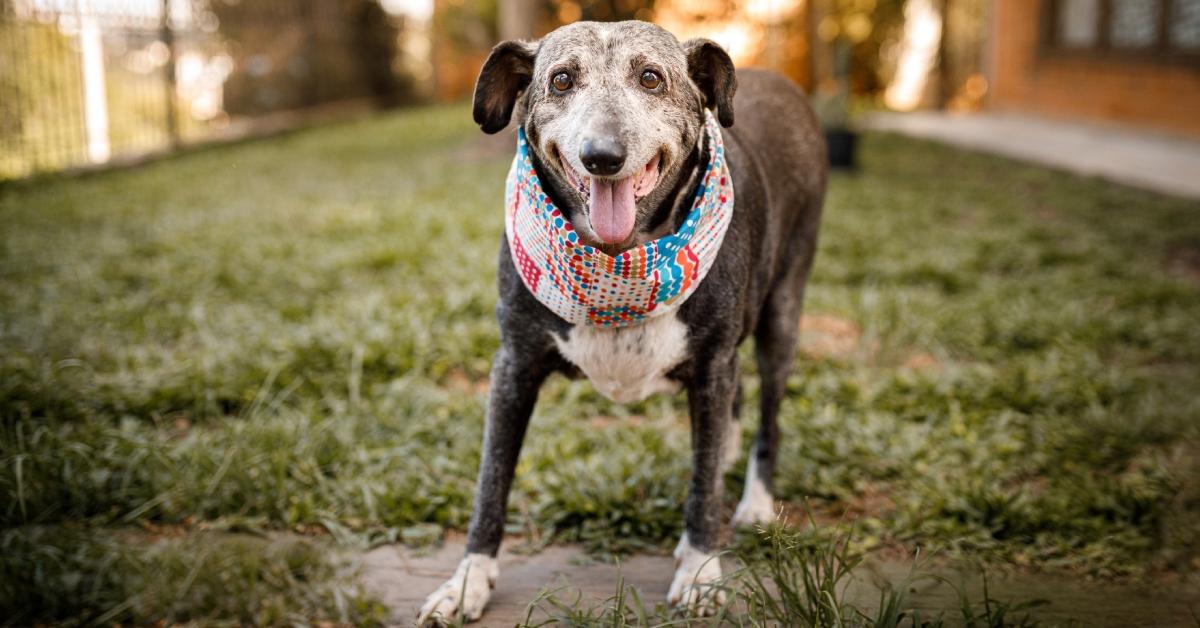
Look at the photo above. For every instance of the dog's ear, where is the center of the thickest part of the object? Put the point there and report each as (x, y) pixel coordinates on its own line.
(712, 70)
(504, 75)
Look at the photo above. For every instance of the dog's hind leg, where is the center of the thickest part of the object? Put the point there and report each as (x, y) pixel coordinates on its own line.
(515, 381)
(775, 343)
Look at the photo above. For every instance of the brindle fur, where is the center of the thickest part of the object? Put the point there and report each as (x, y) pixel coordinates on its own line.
(756, 285)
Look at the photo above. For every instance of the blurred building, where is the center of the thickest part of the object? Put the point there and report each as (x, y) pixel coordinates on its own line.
(1134, 62)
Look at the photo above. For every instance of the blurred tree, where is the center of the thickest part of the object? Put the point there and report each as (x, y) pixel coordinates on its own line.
(870, 27)
(940, 56)
(376, 42)
(961, 68)
(290, 55)
(942, 87)
(601, 10)
(463, 33)
(518, 19)
(797, 37)
(764, 33)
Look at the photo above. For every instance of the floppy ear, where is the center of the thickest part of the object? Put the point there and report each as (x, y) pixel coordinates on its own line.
(712, 70)
(504, 75)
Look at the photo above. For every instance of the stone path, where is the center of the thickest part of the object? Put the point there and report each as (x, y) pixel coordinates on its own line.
(1157, 162)
(402, 577)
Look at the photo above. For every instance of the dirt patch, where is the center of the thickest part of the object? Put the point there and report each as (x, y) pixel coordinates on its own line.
(458, 380)
(923, 361)
(1045, 212)
(825, 335)
(1184, 262)
(874, 501)
(834, 337)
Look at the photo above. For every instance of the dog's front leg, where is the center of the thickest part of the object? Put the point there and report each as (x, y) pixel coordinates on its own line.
(515, 381)
(711, 395)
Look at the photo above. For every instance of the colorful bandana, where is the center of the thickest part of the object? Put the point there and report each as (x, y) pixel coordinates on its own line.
(583, 284)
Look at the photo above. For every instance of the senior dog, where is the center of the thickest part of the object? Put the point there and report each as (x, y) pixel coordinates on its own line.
(646, 237)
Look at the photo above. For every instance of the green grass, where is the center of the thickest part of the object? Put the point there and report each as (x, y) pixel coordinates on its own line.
(75, 576)
(295, 333)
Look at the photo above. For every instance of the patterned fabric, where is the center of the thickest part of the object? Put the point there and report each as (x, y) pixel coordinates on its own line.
(585, 285)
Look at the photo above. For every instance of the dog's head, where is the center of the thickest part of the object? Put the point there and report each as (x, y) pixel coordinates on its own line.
(611, 112)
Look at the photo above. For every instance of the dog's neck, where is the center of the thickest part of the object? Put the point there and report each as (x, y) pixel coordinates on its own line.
(667, 216)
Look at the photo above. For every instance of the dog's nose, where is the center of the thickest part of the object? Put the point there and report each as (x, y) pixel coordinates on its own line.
(603, 157)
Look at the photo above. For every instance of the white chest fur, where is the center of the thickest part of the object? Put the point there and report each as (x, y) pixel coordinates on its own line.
(630, 363)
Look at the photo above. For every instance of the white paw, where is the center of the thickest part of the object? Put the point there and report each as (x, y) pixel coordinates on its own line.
(696, 585)
(756, 508)
(465, 593)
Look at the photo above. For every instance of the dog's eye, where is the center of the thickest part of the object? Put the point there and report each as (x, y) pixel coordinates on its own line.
(561, 82)
(651, 79)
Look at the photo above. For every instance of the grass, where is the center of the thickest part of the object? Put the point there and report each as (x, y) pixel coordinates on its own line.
(88, 577)
(294, 334)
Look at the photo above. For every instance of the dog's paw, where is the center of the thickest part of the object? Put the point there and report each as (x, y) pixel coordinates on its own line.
(466, 593)
(696, 587)
(754, 510)
(757, 507)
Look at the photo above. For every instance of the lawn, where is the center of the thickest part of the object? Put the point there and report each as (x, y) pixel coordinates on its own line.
(202, 357)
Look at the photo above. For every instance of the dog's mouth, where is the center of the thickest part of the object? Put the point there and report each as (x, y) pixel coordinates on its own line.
(612, 203)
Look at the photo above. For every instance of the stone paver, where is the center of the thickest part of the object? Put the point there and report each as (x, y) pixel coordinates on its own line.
(1153, 161)
(402, 577)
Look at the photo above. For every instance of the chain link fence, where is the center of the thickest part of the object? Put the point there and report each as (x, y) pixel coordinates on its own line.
(94, 82)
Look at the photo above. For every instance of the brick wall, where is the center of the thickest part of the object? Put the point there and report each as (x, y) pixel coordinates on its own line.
(1024, 77)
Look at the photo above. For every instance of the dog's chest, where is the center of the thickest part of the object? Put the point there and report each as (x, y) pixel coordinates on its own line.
(629, 363)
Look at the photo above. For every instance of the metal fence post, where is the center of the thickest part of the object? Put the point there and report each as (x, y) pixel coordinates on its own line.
(95, 89)
(312, 85)
(172, 113)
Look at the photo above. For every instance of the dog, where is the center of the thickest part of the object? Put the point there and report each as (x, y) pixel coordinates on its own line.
(613, 118)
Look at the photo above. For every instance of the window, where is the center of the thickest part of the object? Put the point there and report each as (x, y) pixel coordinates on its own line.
(1155, 29)
(1134, 24)
(1078, 23)
(1185, 25)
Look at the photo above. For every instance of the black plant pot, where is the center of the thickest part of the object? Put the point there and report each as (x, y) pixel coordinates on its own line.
(842, 145)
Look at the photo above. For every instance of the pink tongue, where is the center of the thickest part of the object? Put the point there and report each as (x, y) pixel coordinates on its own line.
(613, 210)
